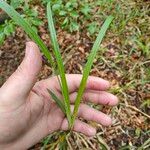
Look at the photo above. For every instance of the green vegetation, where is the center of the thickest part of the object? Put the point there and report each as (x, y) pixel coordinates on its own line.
(70, 12)
(65, 105)
(6, 29)
(89, 64)
(63, 81)
(123, 59)
(29, 15)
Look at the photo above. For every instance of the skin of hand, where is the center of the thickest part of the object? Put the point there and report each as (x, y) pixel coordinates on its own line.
(27, 112)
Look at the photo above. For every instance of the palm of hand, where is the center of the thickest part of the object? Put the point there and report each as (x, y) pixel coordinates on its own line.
(28, 114)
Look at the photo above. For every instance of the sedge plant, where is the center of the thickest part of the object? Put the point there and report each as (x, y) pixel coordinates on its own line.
(64, 104)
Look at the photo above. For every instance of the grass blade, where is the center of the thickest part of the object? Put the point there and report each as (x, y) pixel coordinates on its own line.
(88, 66)
(64, 86)
(27, 28)
(58, 101)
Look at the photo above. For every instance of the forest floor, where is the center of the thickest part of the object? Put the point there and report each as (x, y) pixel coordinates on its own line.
(123, 59)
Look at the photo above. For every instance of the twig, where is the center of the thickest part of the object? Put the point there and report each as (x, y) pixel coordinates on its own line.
(83, 140)
(68, 142)
(101, 141)
(136, 109)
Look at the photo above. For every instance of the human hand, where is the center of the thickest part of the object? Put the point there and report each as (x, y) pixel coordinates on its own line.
(27, 112)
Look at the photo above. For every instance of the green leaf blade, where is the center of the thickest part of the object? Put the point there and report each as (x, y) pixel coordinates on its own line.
(27, 28)
(64, 86)
(88, 66)
(57, 100)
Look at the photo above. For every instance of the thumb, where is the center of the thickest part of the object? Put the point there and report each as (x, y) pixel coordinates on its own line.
(22, 80)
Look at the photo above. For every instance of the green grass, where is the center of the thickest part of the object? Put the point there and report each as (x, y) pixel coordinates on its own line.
(65, 104)
(89, 64)
(56, 50)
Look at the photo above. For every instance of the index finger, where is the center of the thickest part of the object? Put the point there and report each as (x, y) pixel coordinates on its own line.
(73, 81)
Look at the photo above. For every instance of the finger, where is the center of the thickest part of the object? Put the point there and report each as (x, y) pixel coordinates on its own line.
(97, 97)
(91, 114)
(41, 90)
(73, 80)
(93, 83)
(22, 80)
(79, 126)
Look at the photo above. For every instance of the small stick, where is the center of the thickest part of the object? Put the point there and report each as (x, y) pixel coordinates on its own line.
(136, 109)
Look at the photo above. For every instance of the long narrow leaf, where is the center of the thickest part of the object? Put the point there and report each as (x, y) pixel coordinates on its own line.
(60, 65)
(89, 64)
(58, 101)
(26, 27)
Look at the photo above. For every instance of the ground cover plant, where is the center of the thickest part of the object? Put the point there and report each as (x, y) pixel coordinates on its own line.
(124, 60)
(7, 27)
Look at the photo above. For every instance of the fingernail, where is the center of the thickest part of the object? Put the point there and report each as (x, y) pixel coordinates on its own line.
(108, 121)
